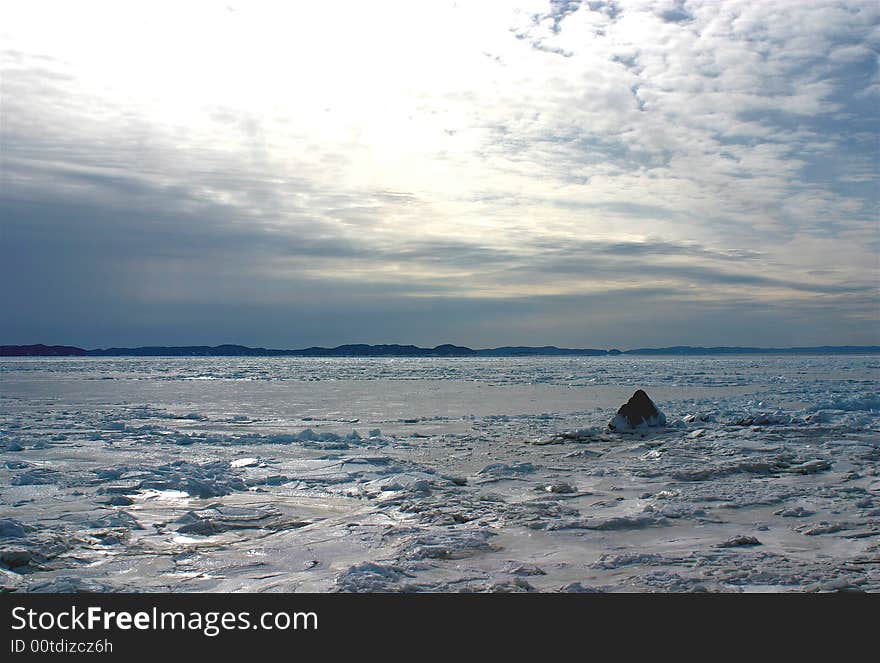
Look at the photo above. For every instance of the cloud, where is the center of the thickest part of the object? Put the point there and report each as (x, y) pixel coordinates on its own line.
(718, 155)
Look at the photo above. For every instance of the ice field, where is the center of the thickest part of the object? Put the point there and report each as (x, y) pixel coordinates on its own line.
(450, 475)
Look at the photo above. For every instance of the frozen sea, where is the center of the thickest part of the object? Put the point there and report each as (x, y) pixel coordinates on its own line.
(439, 475)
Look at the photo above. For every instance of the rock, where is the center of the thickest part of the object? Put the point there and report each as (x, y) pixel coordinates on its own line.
(638, 412)
(578, 588)
(193, 523)
(523, 569)
(12, 529)
(796, 512)
(15, 557)
(739, 541)
(370, 577)
(516, 586)
(202, 527)
(118, 500)
(10, 581)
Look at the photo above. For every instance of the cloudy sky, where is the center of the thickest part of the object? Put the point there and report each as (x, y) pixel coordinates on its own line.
(589, 174)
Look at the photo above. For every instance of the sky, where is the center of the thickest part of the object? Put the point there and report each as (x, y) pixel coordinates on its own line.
(583, 174)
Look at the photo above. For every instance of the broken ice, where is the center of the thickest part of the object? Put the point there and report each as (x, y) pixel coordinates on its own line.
(475, 474)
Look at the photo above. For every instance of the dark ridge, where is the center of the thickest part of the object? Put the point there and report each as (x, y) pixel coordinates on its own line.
(445, 350)
(691, 350)
(546, 350)
(41, 350)
(187, 351)
(362, 350)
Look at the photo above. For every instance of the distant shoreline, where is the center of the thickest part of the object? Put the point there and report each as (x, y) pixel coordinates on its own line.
(447, 350)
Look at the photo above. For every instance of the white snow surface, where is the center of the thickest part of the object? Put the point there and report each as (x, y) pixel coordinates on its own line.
(439, 475)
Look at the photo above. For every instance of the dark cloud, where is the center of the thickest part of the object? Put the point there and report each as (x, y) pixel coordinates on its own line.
(97, 275)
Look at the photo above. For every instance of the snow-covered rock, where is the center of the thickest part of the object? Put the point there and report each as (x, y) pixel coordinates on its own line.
(637, 413)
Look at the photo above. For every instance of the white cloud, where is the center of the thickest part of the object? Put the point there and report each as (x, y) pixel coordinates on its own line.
(503, 125)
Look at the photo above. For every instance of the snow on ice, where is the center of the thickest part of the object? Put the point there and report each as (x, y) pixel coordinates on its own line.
(476, 474)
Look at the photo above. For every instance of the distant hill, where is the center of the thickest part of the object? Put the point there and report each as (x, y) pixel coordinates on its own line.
(186, 351)
(361, 350)
(819, 350)
(546, 350)
(446, 350)
(41, 350)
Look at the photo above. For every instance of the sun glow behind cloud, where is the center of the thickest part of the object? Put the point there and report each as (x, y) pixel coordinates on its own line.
(671, 155)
